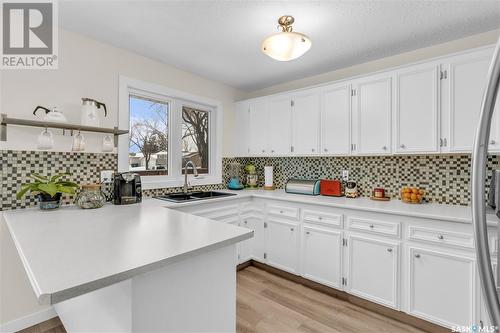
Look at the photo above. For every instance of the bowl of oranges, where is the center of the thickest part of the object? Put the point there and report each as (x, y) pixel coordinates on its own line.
(413, 195)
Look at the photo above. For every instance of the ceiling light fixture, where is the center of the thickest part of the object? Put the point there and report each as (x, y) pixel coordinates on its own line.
(286, 45)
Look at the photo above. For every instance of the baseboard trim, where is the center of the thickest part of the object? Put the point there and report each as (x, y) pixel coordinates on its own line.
(377, 308)
(28, 321)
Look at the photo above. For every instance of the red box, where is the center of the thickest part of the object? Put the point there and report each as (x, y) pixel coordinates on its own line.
(330, 187)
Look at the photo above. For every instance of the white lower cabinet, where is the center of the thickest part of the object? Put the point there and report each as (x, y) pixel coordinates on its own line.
(374, 256)
(252, 248)
(372, 269)
(441, 287)
(322, 255)
(282, 244)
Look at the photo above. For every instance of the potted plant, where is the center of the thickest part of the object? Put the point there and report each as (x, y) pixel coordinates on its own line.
(48, 189)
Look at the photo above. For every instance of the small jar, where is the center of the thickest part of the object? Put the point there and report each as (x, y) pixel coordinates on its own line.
(90, 197)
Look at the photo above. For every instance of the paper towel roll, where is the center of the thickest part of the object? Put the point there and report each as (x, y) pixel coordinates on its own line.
(268, 176)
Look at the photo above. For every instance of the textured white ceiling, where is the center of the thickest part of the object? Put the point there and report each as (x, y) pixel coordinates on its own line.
(221, 40)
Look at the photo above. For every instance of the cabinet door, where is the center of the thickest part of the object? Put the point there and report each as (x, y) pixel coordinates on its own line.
(241, 129)
(252, 248)
(279, 127)
(321, 255)
(441, 287)
(336, 120)
(467, 80)
(305, 122)
(258, 128)
(373, 269)
(281, 245)
(416, 113)
(373, 115)
(484, 316)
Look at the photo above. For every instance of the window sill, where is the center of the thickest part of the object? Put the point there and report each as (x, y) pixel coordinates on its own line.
(152, 182)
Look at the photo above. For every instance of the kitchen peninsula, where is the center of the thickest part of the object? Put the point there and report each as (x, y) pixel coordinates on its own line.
(137, 268)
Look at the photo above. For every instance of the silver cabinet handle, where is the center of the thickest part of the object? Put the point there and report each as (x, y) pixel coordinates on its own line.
(308, 233)
(372, 226)
(384, 148)
(493, 142)
(417, 255)
(292, 229)
(440, 237)
(272, 151)
(402, 146)
(313, 150)
(440, 142)
(245, 222)
(320, 218)
(389, 250)
(325, 150)
(263, 150)
(281, 212)
(445, 142)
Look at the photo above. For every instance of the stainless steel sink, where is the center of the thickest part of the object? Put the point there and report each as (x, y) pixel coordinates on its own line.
(193, 196)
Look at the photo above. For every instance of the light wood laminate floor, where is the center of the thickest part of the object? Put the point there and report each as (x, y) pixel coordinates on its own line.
(269, 303)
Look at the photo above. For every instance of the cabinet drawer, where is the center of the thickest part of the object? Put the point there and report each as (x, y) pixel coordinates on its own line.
(283, 211)
(444, 237)
(373, 226)
(218, 213)
(319, 217)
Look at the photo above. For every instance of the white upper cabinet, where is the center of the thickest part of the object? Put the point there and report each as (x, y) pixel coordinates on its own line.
(241, 129)
(305, 122)
(279, 126)
(430, 107)
(416, 109)
(336, 120)
(464, 82)
(372, 117)
(258, 127)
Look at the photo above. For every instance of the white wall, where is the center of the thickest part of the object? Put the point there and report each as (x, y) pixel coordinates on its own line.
(87, 68)
(483, 39)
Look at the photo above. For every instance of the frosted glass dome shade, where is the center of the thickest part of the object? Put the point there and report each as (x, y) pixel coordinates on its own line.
(285, 46)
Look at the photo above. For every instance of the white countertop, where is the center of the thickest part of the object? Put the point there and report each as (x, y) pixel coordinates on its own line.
(71, 251)
(443, 212)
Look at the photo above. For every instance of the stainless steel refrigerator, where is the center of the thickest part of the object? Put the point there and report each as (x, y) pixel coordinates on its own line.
(478, 177)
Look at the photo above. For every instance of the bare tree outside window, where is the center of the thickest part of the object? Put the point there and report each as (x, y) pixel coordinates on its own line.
(195, 138)
(148, 143)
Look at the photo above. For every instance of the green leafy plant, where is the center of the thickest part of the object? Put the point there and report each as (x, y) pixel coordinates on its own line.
(47, 185)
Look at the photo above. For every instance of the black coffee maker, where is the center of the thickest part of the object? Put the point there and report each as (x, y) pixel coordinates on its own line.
(127, 188)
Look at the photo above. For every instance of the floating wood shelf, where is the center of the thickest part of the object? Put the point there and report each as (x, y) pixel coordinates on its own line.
(4, 121)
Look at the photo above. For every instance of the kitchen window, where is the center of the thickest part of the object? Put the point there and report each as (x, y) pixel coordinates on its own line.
(148, 136)
(166, 129)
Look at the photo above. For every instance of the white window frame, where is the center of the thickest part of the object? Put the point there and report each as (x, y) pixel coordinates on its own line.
(176, 99)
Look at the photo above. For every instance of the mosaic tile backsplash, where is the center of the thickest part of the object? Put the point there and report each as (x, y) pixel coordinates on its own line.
(444, 177)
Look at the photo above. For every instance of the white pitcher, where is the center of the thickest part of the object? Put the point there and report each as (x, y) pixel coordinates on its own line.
(90, 116)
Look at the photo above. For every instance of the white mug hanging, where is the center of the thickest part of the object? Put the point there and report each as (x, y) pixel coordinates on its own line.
(45, 140)
(108, 143)
(78, 142)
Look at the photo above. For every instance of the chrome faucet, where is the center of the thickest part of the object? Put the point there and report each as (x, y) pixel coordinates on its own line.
(186, 186)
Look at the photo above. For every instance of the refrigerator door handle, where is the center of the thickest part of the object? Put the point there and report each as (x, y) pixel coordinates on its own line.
(478, 176)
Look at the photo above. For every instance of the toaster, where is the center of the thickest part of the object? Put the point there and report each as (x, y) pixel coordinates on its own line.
(330, 187)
